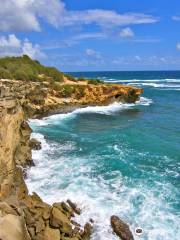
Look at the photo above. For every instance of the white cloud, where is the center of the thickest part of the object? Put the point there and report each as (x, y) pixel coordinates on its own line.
(176, 18)
(10, 42)
(105, 18)
(12, 46)
(178, 46)
(24, 15)
(92, 53)
(31, 50)
(126, 33)
(138, 58)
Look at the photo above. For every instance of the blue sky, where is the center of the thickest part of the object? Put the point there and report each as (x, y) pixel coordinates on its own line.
(91, 35)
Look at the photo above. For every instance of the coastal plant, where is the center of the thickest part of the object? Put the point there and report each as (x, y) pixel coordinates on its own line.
(24, 68)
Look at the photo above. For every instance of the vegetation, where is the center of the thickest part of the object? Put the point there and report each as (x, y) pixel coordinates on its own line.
(95, 81)
(70, 77)
(64, 90)
(24, 68)
(81, 79)
(90, 81)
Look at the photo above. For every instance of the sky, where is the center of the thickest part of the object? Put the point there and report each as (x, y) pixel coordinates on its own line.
(93, 35)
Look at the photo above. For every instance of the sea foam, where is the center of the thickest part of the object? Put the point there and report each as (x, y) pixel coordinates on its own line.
(106, 110)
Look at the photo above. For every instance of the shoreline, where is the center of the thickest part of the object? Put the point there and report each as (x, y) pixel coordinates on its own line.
(31, 217)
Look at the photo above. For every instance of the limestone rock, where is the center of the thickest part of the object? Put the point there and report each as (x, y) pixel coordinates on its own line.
(11, 228)
(51, 234)
(121, 228)
(59, 219)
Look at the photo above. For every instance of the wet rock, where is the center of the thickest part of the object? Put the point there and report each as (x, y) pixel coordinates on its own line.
(35, 144)
(87, 231)
(121, 228)
(74, 207)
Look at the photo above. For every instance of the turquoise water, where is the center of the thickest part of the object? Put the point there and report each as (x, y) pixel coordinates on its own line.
(121, 159)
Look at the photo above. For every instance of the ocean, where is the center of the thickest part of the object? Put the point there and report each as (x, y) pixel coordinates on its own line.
(121, 159)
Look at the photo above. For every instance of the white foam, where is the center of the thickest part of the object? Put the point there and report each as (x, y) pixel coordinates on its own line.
(58, 176)
(143, 81)
(106, 110)
(57, 179)
(156, 85)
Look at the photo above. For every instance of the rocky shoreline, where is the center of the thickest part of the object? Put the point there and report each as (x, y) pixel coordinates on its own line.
(25, 216)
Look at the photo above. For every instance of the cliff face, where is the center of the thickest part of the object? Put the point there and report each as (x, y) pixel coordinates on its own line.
(24, 216)
(43, 98)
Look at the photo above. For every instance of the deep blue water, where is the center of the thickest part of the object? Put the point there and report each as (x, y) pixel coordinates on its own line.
(122, 159)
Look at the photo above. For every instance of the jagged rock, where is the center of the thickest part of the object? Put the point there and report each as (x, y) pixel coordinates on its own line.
(74, 207)
(65, 208)
(7, 209)
(59, 219)
(87, 231)
(35, 144)
(121, 228)
(51, 234)
(32, 231)
(39, 225)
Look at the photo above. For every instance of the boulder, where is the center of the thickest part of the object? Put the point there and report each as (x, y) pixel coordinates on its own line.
(13, 228)
(121, 228)
(74, 207)
(60, 220)
(35, 144)
(87, 231)
(51, 234)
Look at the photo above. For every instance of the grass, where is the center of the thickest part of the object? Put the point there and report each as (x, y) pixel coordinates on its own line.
(24, 68)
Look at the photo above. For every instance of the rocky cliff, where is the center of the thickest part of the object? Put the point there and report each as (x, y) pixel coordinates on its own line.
(44, 98)
(24, 216)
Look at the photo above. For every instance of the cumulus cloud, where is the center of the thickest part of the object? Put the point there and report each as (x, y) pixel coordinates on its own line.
(178, 46)
(24, 15)
(92, 53)
(12, 46)
(126, 33)
(10, 42)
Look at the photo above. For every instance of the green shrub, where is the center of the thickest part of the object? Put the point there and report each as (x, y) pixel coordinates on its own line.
(24, 68)
(81, 79)
(70, 77)
(5, 74)
(67, 90)
(95, 81)
(81, 91)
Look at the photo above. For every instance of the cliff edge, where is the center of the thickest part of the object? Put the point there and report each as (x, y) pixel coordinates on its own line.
(24, 216)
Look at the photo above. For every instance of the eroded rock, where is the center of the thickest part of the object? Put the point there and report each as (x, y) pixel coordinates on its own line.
(121, 228)
(35, 144)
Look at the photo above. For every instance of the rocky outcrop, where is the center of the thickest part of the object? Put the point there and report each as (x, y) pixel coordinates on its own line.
(121, 229)
(35, 144)
(24, 216)
(42, 98)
